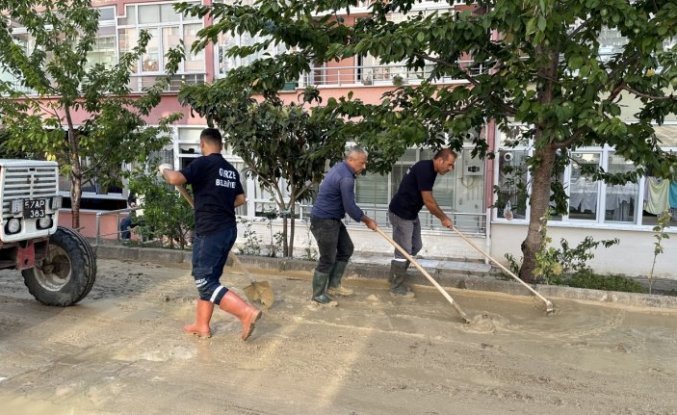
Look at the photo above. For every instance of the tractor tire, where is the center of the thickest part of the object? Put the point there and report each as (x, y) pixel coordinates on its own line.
(68, 272)
(90, 259)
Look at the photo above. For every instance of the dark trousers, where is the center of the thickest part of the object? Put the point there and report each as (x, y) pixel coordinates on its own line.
(333, 242)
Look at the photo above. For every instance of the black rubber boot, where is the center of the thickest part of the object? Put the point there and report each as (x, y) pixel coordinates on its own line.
(335, 287)
(320, 282)
(398, 274)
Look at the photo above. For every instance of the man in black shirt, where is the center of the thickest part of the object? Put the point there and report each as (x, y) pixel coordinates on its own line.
(414, 192)
(217, 191)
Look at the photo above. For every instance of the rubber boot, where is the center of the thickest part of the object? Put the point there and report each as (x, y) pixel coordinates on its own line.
(398, 273)
(202, 318)
(248, 315)
(320, 282)
(335, 287)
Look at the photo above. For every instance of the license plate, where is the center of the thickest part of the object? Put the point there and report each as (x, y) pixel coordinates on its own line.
(34, 208)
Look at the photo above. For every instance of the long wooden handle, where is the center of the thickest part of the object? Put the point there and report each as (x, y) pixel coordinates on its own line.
(186, 195)
(425, 274)
(548, 304)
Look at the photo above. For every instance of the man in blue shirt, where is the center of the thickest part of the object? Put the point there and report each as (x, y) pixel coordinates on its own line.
(336, 198)
(217, 191)
(415, 191)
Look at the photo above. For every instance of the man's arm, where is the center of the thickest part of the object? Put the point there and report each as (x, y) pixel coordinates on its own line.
(348, 196)
(240, 200)
(172, 176)
(434, 209)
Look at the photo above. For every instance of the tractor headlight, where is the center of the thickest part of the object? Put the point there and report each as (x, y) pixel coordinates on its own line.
(13, 225)
(17, 206)
(45, 222)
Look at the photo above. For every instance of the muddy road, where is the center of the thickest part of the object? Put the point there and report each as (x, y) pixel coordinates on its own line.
(121, 351)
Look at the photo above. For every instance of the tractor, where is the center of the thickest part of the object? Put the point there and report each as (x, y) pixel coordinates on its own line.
(57, 263)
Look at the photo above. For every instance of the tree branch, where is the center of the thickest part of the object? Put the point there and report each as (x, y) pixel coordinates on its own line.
(645, 95)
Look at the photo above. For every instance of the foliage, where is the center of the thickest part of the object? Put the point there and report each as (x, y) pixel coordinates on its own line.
(309, 251)
(552, 263)
(166, 215)
(277, 243)
(659, 234)
(82, 115)
(557, 265)
(7, 152)
(252, 241)
(526, 62)
(586, 278)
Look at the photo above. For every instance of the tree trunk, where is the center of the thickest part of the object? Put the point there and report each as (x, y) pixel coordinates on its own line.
(544, 156)
(76, 171)
(285, 245)
(539, 203)
(76, 195)
(292, 208)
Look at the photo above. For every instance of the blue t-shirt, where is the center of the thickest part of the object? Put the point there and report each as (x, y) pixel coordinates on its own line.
(216, 184)
(408, 201)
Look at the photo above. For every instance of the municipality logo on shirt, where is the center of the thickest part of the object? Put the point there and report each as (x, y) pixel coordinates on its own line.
(229, 179)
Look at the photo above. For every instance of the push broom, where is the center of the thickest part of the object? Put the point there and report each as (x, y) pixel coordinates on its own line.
(549, 307)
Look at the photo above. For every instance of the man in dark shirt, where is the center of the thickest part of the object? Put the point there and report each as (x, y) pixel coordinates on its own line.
(415, 191)
(217, 191)
(335, 198)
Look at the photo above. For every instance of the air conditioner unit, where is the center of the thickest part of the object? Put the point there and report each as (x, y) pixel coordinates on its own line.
(507, 156)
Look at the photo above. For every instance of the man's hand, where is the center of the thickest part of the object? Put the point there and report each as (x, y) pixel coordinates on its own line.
(164, 166)
(371, 223)
(447, 223)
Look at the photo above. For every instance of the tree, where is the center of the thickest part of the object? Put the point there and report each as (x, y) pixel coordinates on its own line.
(539, 66)
(55, 83)
(166, 215)
(284, 146)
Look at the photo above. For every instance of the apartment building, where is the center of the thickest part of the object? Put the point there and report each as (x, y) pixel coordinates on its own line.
(595, 208)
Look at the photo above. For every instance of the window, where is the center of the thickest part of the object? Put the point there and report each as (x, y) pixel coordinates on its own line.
(633, 204)
(621, 200)
(611, 42)
(167, 28)
(583, 190)
(226, 41)
(512, 197)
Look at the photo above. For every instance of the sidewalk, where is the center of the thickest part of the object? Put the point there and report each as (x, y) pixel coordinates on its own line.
(449, 274)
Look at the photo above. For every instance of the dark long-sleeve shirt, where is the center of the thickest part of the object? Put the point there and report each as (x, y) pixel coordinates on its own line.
(337, 195)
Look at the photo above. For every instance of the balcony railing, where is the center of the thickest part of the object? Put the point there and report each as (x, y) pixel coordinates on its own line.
(140, 83)
(379, 75)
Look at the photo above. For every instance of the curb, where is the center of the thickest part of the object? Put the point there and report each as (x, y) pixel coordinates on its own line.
(468, 280)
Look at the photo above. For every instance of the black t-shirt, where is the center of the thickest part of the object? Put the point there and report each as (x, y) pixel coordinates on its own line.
(215, 183)
(408, 201)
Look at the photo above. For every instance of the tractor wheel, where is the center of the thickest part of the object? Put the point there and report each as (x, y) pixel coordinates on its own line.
(67, 274)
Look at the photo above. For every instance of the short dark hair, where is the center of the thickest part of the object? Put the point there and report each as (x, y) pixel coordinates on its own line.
(212, 135)
(445, 153)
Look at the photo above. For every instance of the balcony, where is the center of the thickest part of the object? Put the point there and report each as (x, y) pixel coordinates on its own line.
(137, 83)
(380, 75)
(141, 83)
